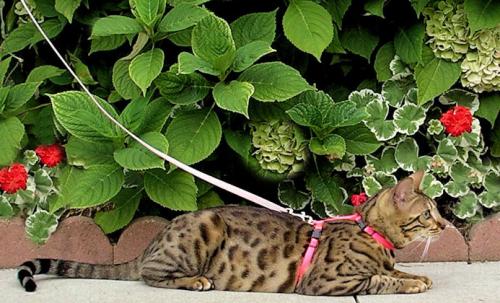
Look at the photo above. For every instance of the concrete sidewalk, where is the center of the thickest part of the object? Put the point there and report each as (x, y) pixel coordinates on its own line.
(453, 283)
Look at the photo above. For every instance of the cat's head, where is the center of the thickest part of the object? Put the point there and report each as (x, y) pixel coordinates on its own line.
(408, 214)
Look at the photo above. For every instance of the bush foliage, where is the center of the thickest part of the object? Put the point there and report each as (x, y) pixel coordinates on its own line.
(302, 101)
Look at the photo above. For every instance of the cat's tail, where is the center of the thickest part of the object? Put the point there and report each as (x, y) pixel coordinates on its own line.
(71, 269)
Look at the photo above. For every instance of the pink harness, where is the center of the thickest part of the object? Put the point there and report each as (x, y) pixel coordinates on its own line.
(316, 234)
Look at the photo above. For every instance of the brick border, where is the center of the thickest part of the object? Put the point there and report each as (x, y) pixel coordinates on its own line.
(79, 238)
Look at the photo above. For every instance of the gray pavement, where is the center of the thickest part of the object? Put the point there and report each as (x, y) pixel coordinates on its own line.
(453, 282)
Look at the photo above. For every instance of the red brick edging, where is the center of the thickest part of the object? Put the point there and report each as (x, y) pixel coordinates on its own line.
(80, 239)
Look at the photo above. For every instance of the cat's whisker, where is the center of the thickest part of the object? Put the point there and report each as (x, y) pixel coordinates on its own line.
(421, 240)
(426, 249)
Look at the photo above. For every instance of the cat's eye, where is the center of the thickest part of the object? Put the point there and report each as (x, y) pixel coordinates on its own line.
(427, 214)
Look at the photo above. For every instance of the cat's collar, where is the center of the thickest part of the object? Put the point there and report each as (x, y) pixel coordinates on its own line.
(316, 234)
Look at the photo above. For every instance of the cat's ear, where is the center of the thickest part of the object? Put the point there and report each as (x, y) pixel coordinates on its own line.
(406, 187)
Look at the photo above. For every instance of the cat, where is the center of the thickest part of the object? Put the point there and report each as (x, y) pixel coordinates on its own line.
(239, 248)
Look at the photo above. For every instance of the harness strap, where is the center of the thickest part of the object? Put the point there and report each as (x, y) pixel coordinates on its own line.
(316, 234)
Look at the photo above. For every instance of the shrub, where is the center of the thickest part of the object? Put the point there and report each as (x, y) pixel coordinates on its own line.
(302, 101)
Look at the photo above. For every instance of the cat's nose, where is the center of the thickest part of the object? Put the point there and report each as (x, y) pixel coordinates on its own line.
(441, 224)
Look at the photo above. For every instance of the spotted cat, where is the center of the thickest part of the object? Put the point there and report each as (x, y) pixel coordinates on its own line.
(241, 248)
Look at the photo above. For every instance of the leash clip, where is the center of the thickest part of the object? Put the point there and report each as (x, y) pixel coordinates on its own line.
(303, 216)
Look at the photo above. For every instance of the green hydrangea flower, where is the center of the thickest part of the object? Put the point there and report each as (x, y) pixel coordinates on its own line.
(481, 69)
(279, 146)
(446, 24)
(23, 14)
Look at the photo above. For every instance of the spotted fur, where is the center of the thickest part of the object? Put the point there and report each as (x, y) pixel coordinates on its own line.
(251, 249)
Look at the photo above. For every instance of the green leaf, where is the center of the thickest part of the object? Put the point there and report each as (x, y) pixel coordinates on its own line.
(194, 135)
(249, 54)
(93, 186)
(234, 96)
(371, 186)
(20, 94)
(338, 9)
(52, 28)
(447, 151)
(147, 10)
(132, 116)
(460, 172)
(181, 17)
(332, 145)
(346, 113)
(209, 200)
(375, 7)
(12, 131)
(482, 14)
(43, 72)
(456, 189)
(44, 128)
(359, 139)
(40, 225)
(407, 154)
(86, 154)
(386, 164)
(183, 89)
(18, 39)
(6, 210)
(82, 70)
(359, 41)
(115, 25)
(146, 67)
(418, 5)
(155, 116)
(181, 38)
(467, 207)
(408, 118)
(189, 63)
(382, 60)
(176, 190)
(326, 190)
(377, 123)
(212, 41)
(274, 81)
(181, 2)
(431, 187)
(397, 88)
(67, 8)
(4, 67)
(238, 142)
(126, 203)
(99, 44)
(137, 157)
(290, 196)
(408, 43)
(122, 81)
(308, 26)
(435, 76)
(489, 107)
(253, 27)
(78, 114)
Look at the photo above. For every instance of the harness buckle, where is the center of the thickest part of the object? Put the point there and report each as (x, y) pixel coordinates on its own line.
(316, 234)
(361, 224)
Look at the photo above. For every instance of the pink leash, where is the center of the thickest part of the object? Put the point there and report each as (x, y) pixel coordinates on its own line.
(316, 234)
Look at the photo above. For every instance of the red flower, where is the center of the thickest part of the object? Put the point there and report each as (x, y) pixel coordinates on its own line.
(50, 155)
(13, 178)
(457, 120)
(357, 200)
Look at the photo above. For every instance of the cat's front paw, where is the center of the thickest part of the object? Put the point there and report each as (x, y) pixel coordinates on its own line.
(426, 280)
(203, 283)
(414, 287)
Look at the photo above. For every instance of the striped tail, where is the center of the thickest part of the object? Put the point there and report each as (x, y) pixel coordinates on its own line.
(71, 269)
